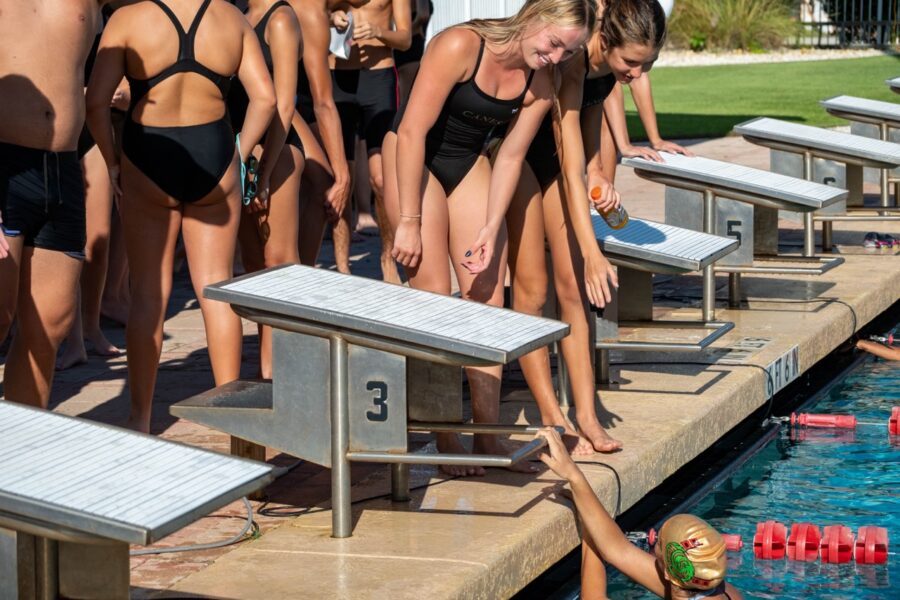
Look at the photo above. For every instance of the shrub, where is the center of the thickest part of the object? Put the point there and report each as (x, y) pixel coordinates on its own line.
(750, 25)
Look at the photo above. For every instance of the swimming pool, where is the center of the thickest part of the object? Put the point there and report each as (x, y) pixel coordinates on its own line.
(819, 476)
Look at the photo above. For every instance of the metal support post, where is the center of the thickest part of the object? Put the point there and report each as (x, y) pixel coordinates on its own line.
(734, 290)
(885, 174)
(562, 377)
(603, 366)
(46, 555)
(809, 236)
(708, 310)
(400, 482)
(827, 240)
(341, 521)
(809, 228)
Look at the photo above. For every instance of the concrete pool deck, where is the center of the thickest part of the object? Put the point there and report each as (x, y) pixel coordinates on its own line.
(488, 537)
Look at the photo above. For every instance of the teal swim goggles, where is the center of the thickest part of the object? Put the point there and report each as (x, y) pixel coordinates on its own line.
(248, 175)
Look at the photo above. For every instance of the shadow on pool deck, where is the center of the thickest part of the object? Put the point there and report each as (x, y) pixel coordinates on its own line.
(472, 536)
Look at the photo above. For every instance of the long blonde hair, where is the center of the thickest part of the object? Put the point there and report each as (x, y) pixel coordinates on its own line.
(563, 13)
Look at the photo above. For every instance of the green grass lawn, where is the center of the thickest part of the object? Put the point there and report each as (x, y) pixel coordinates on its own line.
(699, 102)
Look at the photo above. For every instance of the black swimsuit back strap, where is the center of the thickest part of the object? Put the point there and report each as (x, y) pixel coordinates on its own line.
(188, 53)
(528, 83)
(478, 64)
(478, 60)
(186, 62)
(261, 26)
(185, 38)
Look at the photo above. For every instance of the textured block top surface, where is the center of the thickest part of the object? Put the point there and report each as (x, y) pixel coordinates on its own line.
(726, 176)
(108, 481)
(395, 313)
(661, 244)
(806, 137)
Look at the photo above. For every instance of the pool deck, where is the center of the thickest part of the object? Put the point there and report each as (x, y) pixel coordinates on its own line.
(488, 537)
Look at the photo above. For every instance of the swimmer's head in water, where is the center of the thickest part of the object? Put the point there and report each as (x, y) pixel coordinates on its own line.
(631, 35)
(692, 553)
(547, 31)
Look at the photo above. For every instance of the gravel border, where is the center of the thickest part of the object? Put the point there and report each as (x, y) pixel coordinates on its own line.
(687, 58)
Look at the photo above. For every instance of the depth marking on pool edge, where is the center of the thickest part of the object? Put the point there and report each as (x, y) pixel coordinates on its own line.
(742, 350)
(783, 370)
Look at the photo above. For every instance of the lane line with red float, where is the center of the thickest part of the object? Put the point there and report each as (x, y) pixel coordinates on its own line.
(835, 545)
(830, 421)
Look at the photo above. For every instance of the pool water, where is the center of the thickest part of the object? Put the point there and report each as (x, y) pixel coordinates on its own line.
(818, 476)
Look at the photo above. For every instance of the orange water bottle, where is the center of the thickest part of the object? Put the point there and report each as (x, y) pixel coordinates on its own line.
(616, 218)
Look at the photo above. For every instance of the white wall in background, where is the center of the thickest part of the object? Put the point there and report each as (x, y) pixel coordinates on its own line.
(451, 12)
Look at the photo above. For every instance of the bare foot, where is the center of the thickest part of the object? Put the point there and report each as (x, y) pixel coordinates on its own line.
(578, 444)
(602, 441)
(71, 356)
(491, 444)
(583, 446)
(102, 346)
(448, 443)
(366, 225)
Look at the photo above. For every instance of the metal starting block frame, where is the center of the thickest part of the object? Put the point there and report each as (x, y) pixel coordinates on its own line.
(639, 250)
(741, 203)
(74, 494)
(816, 147)
(872, 119)
(359, 363)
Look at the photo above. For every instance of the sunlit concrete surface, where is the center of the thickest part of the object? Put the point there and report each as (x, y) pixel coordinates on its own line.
(488, 537)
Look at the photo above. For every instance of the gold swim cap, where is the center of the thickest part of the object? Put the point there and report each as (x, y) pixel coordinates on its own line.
(693, 552)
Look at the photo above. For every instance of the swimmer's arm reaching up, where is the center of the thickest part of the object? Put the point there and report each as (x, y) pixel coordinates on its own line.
(880, 350)
(608, 539)
(507, 168)
(447, 61)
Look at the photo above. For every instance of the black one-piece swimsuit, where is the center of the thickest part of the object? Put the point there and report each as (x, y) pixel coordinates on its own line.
(457, 138)
(186, 162)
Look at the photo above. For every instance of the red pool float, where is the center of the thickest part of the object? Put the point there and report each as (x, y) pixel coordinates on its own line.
(894, 421)
(837, 544)
(828, 421)
(803, 543)
(769, 542)
(872, 546)
(733, 542)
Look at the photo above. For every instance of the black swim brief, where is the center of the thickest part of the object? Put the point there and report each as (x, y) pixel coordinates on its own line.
(42, 198)
(366, 101)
